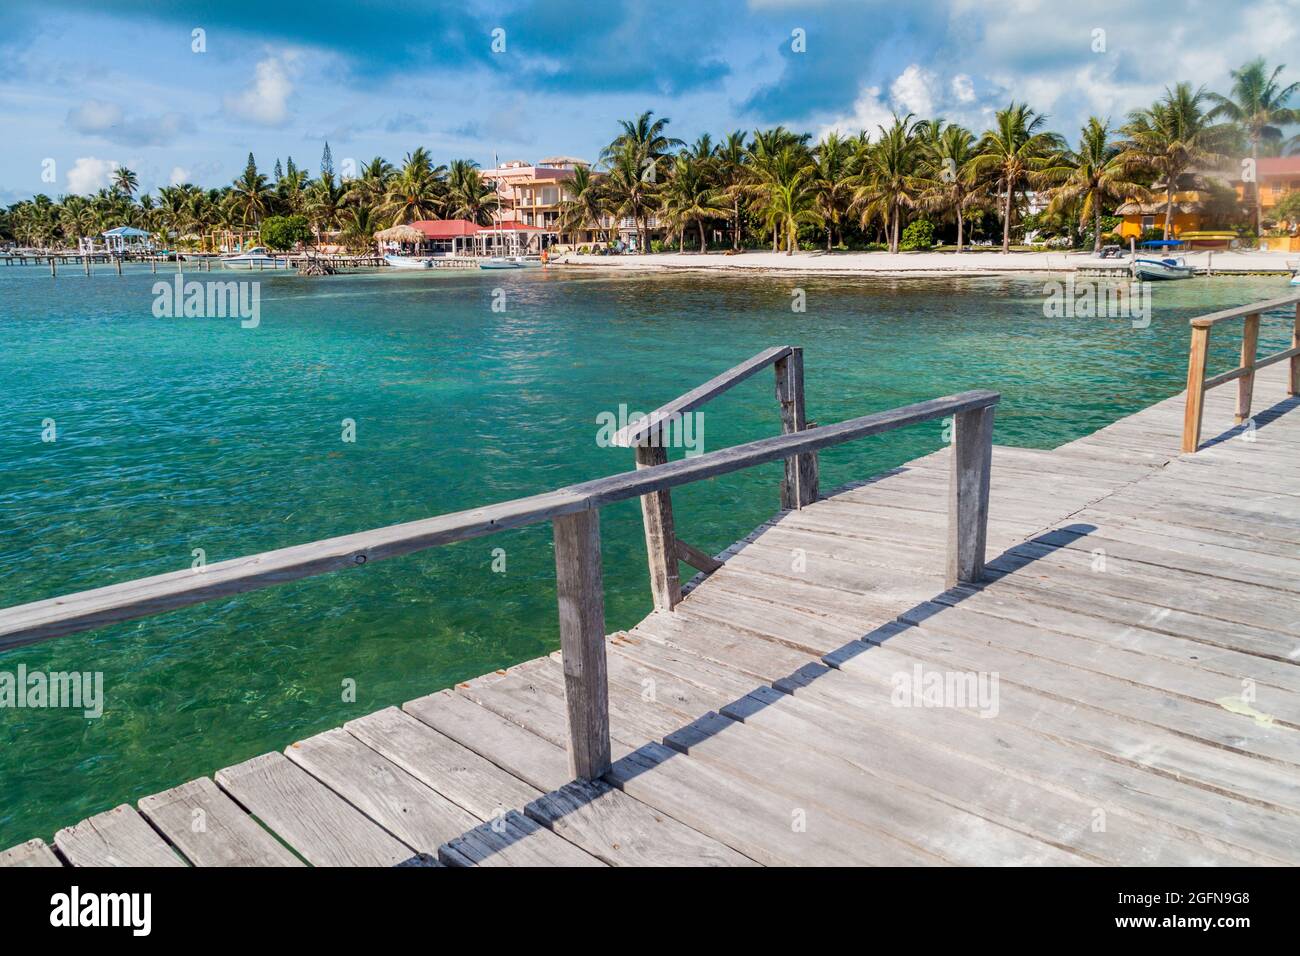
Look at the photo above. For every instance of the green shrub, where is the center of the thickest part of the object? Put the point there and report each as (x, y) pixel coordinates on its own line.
(285, 232)
(917, 235)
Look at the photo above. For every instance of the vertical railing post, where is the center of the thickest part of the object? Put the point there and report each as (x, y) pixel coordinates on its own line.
(581, 601)
(968, 495)
(799, 485)
(1293, 381)
(1195, 387)
(660, 535)
(1249, 351)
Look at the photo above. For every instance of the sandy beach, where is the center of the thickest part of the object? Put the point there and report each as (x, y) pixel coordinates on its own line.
(920, 263)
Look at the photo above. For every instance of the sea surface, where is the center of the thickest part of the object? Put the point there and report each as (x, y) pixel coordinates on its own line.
(176, 439)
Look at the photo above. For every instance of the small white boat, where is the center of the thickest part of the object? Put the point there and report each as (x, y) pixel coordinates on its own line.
(408, 262)
(1294, 266)
(254, 258)
(1169, 267)
(503, 262)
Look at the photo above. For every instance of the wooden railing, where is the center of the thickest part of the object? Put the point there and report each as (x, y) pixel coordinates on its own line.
(650, 436)
(1243, 374)
(574, 512)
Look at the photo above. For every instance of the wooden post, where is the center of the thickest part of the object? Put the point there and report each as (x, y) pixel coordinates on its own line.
(1293, 383)
(581, 597)
(1249, 349)
(1195, 387)
(117, 260)
(660, 535)
(799, 486)
(53, 269)
(968, 495)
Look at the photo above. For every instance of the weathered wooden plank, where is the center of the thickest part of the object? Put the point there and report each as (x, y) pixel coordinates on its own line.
(418, 816)
(320, 825)
(31, 853)
(799, 485)
(767, 827)
(661, 542)
(513, 840)
(117, 837)
(1195, 412)
(211, 829)
(580, 591)
(531, 758)
(696, 558)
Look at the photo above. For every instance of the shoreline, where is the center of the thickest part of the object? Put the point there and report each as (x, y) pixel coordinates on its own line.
(920, 264)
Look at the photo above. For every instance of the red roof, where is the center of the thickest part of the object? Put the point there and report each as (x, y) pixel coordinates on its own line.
(445, 228)
(1279, 165)
(516, 225)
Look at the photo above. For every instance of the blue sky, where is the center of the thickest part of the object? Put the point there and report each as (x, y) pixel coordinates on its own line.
(90, 85)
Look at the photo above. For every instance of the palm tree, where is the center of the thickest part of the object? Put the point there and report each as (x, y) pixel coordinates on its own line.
(643, 144)
(417, 192)
(832, 182)
(631, 192)
(732, 157)
(76, 218)
(252, 194)
(887, 181)
(323, 199)
(690, 196)
(584, 204)
(360, 222)
(783, 194)
(1091, 177)
(764, 155)
(948, 182)
(1258, 107)
(1012, 153)
(1169, 138)
(469, 195)
(372, 185)
(125, 181)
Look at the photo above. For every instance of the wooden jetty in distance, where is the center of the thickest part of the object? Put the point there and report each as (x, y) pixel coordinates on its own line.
(1135, 611)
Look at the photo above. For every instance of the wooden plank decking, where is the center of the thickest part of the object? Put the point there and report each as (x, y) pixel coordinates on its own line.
(1141, 616)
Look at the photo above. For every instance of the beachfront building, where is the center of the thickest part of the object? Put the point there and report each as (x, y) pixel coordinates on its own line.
(531, 193)
(1275, 178)
(1202, 201)
(447, 237)
(126, 240)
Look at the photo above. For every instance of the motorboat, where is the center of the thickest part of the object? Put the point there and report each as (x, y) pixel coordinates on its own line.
(1156, 267)
(255, 258)
(408, 262)
(504, 262)
(1168, 267)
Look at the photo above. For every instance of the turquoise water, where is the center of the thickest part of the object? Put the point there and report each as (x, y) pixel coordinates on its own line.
(177, 434)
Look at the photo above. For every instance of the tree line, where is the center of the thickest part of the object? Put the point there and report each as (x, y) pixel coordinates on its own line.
(772, 186)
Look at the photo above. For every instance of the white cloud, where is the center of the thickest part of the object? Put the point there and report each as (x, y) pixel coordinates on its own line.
(95, 116)
(868, 113)
(179, 175)
(109, 122)
(913, 91)
(265, 101)
(963, 90)
(89, 174)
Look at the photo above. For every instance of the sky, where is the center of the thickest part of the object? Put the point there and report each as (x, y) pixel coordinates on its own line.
(182, 91)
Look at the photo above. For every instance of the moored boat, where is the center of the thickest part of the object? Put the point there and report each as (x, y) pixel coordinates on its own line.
(254, 258)
(1169, 267)
(407, 262)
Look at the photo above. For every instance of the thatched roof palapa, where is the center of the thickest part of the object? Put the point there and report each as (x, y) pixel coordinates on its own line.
(402, 233)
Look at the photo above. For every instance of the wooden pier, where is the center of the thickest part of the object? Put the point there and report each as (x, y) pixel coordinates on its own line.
(990, 655)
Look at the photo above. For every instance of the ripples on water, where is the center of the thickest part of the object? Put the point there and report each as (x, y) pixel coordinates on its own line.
(177, 434)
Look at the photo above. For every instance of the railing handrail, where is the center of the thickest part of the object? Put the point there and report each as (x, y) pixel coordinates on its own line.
(1243, 373)
(143, 597)
(634, 432)
(1214, 318)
